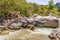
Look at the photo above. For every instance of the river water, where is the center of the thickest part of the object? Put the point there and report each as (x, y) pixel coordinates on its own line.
(45, 31)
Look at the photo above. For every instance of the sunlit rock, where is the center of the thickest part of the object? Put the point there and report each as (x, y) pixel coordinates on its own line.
(30, 21)
(55, 34)
(16, 25)
(46, 21)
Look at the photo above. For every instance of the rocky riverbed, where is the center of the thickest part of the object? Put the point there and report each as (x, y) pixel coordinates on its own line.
(28, 28)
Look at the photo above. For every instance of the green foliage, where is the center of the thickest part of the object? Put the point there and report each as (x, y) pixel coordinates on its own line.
(50, 5)
(27, 9)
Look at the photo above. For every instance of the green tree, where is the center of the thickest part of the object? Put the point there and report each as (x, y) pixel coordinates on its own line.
(51, 5)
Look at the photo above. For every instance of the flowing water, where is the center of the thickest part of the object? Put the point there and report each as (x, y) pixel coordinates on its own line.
(45, 31)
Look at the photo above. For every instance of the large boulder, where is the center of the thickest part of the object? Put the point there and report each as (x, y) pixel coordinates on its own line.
(46, 21)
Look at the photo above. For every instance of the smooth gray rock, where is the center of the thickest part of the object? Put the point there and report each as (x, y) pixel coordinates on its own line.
(46, 21)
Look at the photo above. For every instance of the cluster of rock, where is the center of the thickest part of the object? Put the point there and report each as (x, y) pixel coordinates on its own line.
(55, 34)
(29, 22)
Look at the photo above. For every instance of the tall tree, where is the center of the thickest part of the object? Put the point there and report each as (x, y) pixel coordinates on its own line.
(50, 5)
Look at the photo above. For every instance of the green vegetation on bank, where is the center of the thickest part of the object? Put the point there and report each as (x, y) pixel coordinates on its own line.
(23, 8)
